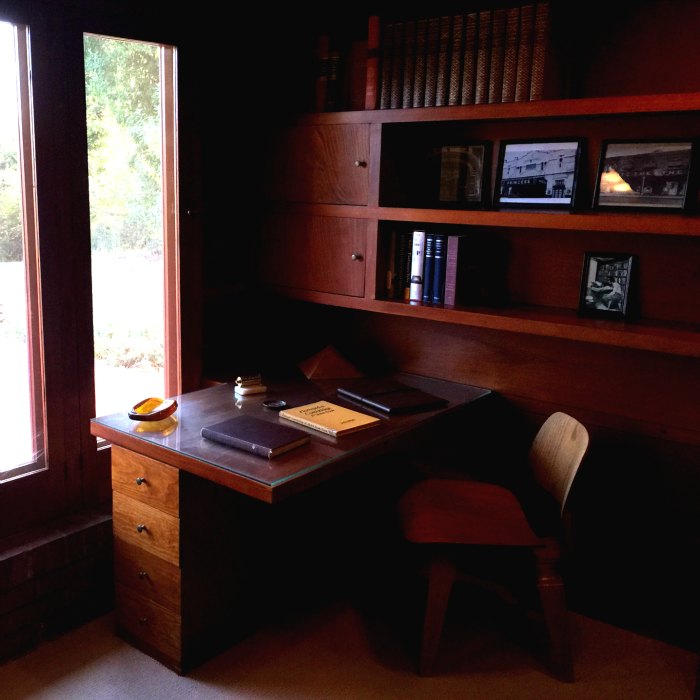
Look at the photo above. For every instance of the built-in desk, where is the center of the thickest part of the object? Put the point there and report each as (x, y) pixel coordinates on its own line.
(193, 560)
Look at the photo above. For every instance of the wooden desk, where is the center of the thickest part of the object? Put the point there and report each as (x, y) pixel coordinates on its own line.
(193, 559)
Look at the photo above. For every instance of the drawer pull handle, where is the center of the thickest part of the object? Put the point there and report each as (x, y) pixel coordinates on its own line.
(140, 480)
(140, 527)
(356, 256)
(143, 620)
(143, 574)
(360, 164)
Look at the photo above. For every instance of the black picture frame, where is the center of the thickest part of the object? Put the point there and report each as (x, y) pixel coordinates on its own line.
(646, 175)
(607, 285)
(540, 174)
(463, 175)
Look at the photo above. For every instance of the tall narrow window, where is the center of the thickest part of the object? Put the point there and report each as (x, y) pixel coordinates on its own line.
(132, 155)
(22, 414)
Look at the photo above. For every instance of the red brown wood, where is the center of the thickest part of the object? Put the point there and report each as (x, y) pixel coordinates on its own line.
(292, 472)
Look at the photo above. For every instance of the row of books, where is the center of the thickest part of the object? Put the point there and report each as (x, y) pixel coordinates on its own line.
(485, 56)
(451, 269)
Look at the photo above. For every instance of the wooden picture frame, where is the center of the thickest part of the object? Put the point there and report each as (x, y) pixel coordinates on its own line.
(645, 175)
(538, 174)
(607, 285)
(463, 175)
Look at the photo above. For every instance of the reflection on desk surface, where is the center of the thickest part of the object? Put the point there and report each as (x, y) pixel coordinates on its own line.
(181, 444)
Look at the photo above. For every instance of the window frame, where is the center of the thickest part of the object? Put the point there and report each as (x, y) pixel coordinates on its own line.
(78, 477)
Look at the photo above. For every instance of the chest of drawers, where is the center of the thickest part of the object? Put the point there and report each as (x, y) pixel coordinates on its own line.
(183, 584)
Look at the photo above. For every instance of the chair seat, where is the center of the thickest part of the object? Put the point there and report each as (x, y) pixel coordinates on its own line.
(457, 511)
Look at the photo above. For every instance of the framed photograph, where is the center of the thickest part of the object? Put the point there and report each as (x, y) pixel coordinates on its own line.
(645, 175)
(463, 175)
(607, 285)
(538, 174)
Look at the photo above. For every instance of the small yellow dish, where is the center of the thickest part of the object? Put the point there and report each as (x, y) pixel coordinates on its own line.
(153, 409)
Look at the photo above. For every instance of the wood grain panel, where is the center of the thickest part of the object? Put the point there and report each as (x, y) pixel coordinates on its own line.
(315, 252)
(324, 163)
(652, 393)
(161, 534)
(147, 575)
(159, 487)
(149, 622)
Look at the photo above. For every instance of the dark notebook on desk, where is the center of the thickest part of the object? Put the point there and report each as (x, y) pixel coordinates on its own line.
(390, 396)
(261, 437)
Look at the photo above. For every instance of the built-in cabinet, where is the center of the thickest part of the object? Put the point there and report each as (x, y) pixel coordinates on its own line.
(314, 248)
(633, 382)
(181, 595)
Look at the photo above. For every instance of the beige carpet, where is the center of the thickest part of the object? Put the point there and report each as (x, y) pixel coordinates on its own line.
(339, 652)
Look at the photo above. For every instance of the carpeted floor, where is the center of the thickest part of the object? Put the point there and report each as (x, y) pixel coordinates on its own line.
(340, 651)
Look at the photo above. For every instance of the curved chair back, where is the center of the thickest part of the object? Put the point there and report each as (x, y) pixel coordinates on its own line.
(556, 453)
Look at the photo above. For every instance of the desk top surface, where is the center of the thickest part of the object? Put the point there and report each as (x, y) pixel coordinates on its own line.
(177, 441)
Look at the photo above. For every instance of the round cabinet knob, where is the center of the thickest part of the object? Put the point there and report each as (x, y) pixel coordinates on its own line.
(356, 256)
(360, 164)
(143, 574)
(143, 620)
(140, 480)
(140, 527)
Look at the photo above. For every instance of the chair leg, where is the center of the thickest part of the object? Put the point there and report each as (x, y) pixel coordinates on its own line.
(441, 578)
(554, 607)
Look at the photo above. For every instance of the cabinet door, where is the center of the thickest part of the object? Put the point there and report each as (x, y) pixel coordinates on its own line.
(315, 253)
(327, 164)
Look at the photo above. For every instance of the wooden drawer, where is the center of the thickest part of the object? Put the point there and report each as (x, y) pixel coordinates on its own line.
(155, 626)
(148, 575)
(146, 527)
(145, 479)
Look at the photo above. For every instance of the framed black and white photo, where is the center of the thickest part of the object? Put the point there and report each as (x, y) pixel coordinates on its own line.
(645, 175)
(538, 174)
(463, 172)
(607, 285)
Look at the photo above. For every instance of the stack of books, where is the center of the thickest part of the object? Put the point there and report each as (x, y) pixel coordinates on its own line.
(477, 57)
(433, 267)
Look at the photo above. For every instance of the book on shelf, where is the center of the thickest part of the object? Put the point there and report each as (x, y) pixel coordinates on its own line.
(469, 59)
(442, 89)
(391, 276)
(539, 50)
(323, 50)
(373, 62)
(483, 58)
(510, 54)
(387, 53)
(419, 62)
(409, 63)
(329, 418)
(456, 49)
(475, 270)
(431, 61)
(403, 262)
(439, 253)
(396, 92)
(333, 85)
(498, 45)
(428, 267)
(255, 435)
(390, 395)
(524, 69)
(417, 261)
(355, 76)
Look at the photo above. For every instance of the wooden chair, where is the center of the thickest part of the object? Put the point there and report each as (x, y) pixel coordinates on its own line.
(447, 515)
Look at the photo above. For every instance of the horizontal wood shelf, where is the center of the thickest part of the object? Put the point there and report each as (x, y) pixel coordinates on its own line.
(672, 339)
(543, 109)
(635, 223)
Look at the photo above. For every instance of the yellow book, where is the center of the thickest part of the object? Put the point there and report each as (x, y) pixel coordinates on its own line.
(329, 418)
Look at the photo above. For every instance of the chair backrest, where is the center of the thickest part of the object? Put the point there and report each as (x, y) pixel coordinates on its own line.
(556, 454)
